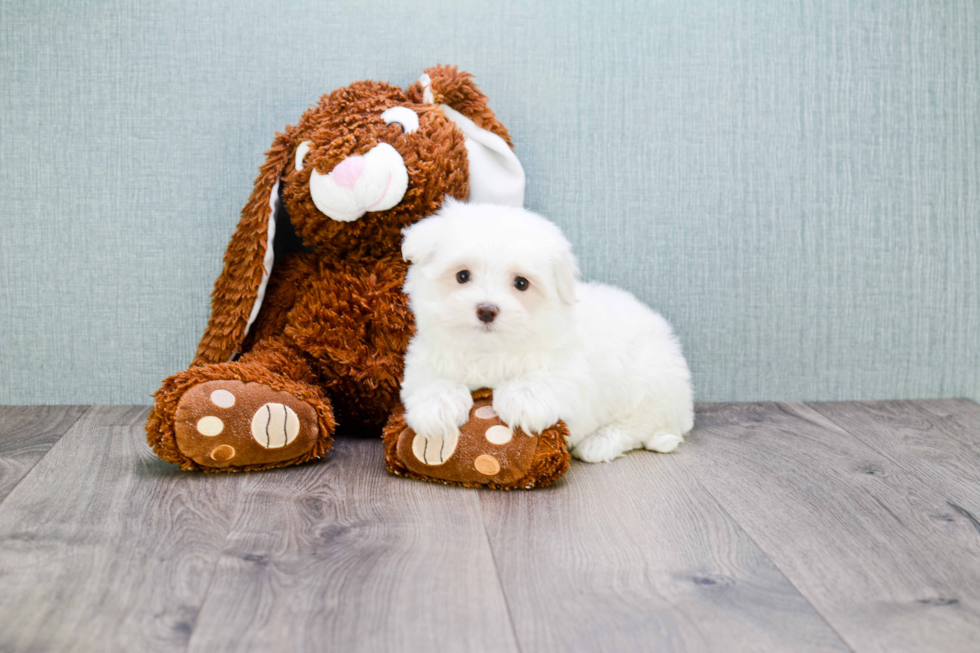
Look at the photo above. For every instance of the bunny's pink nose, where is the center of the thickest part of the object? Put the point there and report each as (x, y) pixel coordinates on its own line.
(348, 171)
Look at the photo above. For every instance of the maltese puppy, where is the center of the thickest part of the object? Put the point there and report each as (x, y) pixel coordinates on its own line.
(497, 305)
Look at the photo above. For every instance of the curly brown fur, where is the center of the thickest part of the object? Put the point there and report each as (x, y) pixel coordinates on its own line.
(455, 88)
(235, 290)
(336, 311)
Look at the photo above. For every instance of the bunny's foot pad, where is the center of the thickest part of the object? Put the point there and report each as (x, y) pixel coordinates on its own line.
(231, 424)
(488, 453)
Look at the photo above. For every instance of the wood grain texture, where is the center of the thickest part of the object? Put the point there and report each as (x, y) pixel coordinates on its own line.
(340, 556)
(105, 547)
(942, 452)
(867, 543)
(636, 556)
(960, 419)
(776, 527)
(26, 434)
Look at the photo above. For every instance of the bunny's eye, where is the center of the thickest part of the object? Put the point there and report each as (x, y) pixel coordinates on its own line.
(404, 117)
(301, 151)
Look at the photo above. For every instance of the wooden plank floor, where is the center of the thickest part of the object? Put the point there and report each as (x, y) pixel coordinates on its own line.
(777, 527)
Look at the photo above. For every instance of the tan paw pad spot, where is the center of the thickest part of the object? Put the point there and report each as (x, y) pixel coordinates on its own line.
(485, 412)
(210, 426)
(499, 434)
(223, 452)
(436, 450)
(418, 447)
(222, 399)
(486, 465)
(275, 425)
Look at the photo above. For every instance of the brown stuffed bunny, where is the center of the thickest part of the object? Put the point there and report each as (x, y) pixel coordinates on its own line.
(309, 324)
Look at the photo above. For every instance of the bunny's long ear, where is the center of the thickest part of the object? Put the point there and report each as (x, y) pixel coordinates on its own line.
(239, 291)
(495, 174)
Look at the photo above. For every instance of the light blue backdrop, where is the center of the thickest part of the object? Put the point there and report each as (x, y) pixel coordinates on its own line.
(795, 184)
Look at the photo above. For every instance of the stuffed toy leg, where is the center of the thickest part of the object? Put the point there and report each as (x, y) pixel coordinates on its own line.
(488, 453)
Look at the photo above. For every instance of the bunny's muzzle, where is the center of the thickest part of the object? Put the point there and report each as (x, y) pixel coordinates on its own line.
(373, 182)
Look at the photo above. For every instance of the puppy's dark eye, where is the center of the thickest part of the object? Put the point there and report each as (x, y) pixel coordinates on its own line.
(521, 283)
(463, 276)
(399, 125)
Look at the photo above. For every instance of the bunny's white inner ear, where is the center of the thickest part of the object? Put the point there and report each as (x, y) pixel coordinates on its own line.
(426, 83)
(270, 256)
(496, 175)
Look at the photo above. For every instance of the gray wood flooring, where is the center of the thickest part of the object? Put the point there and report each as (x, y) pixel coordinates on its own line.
(776, 527)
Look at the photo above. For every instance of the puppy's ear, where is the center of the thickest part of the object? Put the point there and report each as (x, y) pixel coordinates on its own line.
(421, 240)
(566, 275)
(495, 174)
(239, 291)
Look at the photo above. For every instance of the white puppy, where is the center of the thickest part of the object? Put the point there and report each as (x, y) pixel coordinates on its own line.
(497, 305)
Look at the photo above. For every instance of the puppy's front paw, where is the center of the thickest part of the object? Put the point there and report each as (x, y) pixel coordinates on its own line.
(527, 405)
(435, 414)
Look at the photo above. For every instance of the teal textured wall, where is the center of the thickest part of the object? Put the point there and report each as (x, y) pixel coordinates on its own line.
(795, 184)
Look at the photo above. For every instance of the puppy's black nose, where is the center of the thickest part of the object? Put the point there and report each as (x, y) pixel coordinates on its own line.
(486, 312)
